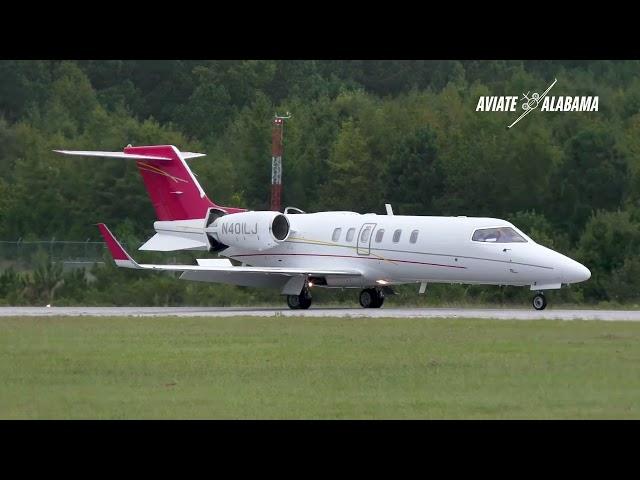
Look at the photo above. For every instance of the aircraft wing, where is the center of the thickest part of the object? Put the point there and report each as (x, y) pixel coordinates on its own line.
(290, 280)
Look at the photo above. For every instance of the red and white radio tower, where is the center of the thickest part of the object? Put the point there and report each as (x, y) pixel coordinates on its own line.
(276, 161)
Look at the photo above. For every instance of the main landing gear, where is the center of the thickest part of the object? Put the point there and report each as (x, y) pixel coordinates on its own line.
(539, 301)
(371, 298)
(300, 302)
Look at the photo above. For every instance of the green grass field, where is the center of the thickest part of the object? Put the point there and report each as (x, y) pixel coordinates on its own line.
(317, 368)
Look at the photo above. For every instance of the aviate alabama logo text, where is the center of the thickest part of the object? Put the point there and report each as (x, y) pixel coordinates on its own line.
(532, 102)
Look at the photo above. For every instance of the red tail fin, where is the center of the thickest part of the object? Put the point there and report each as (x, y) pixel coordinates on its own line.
(174, 191)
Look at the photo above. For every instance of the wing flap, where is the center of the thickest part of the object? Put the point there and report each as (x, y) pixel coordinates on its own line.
(242, 279)
(262, 270)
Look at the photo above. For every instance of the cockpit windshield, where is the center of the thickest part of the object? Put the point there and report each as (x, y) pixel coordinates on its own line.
(497, 235)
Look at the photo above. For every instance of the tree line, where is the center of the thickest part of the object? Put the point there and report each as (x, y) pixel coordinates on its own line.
(363, 133)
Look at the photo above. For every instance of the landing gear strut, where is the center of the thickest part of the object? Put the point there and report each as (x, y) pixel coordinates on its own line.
(539, 301)
(299, 302)
(371, 298)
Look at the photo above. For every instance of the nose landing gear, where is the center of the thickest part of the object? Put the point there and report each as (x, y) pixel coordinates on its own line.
(539, 301)
(371, 298)
(300, 302)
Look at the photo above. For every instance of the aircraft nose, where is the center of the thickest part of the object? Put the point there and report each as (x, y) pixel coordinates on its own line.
(574, 272)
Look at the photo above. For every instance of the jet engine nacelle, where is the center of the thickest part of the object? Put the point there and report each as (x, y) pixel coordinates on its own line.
(251, 230)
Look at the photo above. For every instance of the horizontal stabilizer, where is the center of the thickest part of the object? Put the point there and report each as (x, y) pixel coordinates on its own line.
(173, 189)
(133, 156)
(170, 243)
(188, 155)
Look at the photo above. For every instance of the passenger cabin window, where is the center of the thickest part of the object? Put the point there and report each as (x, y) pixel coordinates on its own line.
(336, 234)
(497, 235)
(379, 235)
(364, 236)
(396, 235)
(414, 236)
(350, 233)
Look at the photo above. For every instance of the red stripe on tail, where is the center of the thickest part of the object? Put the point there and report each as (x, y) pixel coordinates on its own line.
(175, 193)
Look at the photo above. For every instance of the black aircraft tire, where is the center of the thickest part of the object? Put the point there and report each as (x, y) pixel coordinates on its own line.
(293, 301)
(305, 302)
(379, 298)
(299, 302)
(367, 298)
(539, 301)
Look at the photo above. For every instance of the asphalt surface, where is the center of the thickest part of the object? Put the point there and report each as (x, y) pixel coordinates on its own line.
(504, 314)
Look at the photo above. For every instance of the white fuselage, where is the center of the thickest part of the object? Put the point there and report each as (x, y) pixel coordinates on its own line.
(443, 252)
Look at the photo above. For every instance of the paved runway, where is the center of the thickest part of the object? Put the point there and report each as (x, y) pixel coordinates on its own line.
(517, 314)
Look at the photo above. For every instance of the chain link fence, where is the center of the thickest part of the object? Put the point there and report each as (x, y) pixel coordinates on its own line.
(24, 254)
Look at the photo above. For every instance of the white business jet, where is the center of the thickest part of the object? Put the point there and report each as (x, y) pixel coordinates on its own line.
(295, 252)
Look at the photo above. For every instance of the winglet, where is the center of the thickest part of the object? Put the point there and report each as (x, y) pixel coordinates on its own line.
(120, 256)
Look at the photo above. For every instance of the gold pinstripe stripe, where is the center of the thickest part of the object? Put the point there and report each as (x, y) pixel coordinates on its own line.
(330, 244)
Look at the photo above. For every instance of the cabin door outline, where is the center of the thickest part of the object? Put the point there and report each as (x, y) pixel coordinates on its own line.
(364, 247)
